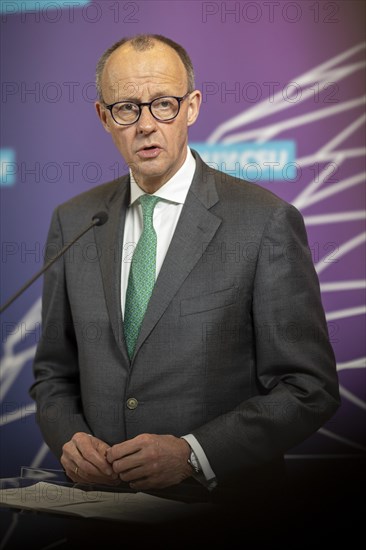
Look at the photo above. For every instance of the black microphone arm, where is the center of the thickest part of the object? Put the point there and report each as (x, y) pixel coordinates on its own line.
(98, 219)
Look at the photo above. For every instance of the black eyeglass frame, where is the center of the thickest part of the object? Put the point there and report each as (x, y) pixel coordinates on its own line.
(140, 105)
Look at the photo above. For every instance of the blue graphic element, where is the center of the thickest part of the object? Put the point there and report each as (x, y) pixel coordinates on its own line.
(8, 167)
(10, 7)
(269, 161)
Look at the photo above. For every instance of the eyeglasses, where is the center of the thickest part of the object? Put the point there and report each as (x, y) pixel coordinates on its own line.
(162, 108)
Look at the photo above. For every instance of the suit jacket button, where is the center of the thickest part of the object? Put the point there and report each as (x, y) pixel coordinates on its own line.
(132, 403)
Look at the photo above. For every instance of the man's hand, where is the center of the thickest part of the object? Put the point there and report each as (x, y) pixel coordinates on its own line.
(151, 461)
(84, 460)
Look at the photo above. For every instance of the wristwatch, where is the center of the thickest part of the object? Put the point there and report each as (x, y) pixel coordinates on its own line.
(193, 461)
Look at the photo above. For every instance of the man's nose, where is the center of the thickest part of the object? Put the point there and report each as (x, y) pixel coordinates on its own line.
(146, 123)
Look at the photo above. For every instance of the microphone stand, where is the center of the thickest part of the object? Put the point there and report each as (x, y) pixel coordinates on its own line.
(98, 219)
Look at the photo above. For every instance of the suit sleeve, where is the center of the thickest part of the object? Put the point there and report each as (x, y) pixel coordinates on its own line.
(56, 389)
(295, 367)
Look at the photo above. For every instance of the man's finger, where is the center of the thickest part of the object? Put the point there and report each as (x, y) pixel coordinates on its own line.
(129, 462)
(134, 474)
(129, 447)
(79, 476)
(92, 451)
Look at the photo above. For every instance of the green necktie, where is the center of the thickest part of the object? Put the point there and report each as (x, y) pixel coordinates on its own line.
(141, 279)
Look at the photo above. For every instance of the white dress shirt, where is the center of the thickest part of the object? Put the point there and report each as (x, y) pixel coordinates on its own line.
(165, 218)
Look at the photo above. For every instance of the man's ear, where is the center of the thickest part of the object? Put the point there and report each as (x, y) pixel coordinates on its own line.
(102, 114)
(194, 104)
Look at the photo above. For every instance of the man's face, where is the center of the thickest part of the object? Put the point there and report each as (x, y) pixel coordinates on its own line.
(131, 75)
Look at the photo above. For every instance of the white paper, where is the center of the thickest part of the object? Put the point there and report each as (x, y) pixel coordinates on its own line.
(130, 507)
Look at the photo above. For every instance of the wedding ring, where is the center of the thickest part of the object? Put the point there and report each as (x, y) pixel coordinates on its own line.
(76, 470)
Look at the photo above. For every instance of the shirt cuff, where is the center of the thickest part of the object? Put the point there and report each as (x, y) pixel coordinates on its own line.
(207, 478)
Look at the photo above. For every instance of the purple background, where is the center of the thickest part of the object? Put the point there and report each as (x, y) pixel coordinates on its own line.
(43, 128)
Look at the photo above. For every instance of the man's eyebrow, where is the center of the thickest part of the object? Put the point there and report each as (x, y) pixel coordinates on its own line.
(162, 93)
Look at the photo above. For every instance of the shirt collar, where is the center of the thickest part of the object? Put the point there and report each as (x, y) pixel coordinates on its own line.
(174, 190)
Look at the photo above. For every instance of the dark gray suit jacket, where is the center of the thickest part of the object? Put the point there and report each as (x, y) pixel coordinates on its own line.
(234, 345)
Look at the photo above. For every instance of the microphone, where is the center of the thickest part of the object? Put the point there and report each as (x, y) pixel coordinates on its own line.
(98, 219)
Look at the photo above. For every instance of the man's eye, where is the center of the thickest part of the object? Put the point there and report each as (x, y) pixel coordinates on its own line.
(127, 107)
(163, 104)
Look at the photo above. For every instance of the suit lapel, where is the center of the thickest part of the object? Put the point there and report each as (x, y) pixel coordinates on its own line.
(109, 239)
(195, 229)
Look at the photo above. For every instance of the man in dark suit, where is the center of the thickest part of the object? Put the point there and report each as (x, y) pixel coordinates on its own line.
(231, 365)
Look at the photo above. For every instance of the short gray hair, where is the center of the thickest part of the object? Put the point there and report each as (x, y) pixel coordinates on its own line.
(143, 42)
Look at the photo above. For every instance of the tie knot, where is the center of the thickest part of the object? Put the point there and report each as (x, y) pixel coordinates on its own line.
(148, 203)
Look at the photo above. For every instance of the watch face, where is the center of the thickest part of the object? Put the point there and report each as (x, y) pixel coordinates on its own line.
(193, 462)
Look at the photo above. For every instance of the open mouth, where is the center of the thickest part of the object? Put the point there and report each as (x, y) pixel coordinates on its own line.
(150, 151)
